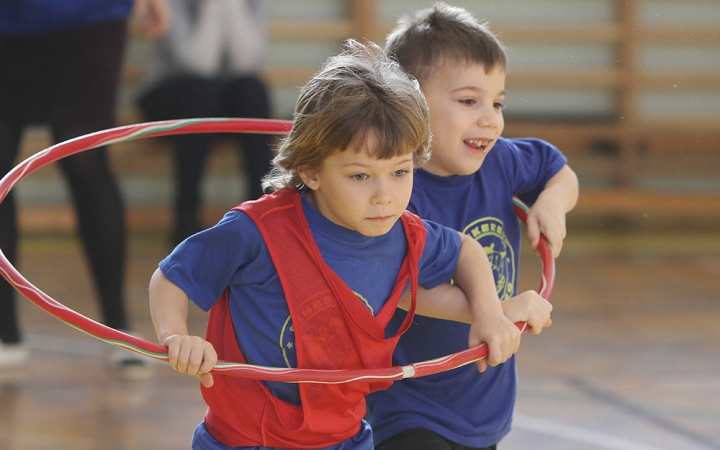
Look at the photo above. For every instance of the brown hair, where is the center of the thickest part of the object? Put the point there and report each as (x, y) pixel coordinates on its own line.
(443, 34)
(357, 92)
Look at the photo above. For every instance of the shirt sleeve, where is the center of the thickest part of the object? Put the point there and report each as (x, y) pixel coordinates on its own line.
(206, 263)
(439, 259)
(535, 162)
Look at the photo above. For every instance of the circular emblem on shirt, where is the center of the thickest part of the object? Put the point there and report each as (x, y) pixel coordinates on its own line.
(490, 233)
(287, 343)
(287, 335)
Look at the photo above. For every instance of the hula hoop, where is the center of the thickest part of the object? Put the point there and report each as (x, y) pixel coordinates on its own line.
(155, 351)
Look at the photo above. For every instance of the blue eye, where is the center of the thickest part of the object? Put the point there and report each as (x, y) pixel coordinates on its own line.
(400, 173)
(359, 177)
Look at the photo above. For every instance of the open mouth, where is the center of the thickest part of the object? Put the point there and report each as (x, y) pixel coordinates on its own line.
(478, 144)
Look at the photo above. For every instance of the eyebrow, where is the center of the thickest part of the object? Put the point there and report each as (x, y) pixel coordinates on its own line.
(407, 160)
(475, 88)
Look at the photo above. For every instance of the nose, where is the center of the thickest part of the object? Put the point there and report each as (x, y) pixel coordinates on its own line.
(488, 117)
(382, 194)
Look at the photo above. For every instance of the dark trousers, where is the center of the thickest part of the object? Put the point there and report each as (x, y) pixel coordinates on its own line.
(69, 80)
(191, 97)
(423, 439)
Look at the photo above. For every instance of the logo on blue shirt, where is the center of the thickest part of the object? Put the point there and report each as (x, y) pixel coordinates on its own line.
(287, 335)
(490, 233)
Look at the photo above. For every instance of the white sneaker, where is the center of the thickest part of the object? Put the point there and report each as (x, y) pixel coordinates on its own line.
(12, 355)
(128, 365)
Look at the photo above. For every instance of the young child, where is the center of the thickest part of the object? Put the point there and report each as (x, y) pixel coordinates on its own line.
(310, 275)
(468, 185)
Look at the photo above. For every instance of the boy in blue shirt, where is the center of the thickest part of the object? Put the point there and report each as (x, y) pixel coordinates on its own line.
(468, 184)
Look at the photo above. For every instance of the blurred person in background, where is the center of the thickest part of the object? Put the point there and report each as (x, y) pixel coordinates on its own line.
(60, 65)
(208, 65)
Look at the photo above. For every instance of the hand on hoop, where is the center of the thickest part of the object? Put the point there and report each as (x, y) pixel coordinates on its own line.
(547, 215)
(500, 335)
(192, 355)
(531, 308)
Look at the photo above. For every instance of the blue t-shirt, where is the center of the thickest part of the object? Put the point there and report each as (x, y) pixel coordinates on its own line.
(233, 254)
(29, 17)
(467, 407)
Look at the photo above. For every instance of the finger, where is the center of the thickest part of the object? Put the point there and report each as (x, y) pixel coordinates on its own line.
(482, 365)
(518, 336)
(537, 322)
(514, 343)
(533, 232)
(494, 356)
(173, 351)
(207, 380)
(194, 361)
(556, 243)
(532, 328)
(183, 359)
(555, 236)
(209, 361)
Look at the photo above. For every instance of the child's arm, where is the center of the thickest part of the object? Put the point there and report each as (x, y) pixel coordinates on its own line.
(489, 324)
(449, 302)
(547, 215)
(444, 301)
(169, 310)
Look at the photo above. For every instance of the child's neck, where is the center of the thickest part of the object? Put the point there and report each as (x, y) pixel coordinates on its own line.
(310, 196)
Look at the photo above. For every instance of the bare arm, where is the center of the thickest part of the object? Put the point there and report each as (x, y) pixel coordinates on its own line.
(547, 216)
(449, 302)
(169, 310)
(445, 301)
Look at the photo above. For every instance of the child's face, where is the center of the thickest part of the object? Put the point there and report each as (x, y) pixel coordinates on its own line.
(360, 192)
(465, 116)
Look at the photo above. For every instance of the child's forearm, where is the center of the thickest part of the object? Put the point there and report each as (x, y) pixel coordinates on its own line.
(169, 310)
(563, 187)
(474, 275)
(445, 301)
(168, 307)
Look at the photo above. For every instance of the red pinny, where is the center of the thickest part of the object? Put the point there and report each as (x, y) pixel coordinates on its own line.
(333, 330)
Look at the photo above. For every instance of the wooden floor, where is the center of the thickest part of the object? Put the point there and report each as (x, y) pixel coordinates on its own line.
(631, 362)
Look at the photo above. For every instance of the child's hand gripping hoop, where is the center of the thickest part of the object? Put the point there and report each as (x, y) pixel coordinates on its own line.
(132, 343)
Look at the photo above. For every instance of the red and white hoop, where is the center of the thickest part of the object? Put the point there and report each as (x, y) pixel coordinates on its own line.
(132, 343)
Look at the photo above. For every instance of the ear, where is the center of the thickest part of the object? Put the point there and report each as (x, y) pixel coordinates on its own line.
(309, 176)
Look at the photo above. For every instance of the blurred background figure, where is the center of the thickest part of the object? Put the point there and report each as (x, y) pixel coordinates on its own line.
(60, 65)
(207, 65)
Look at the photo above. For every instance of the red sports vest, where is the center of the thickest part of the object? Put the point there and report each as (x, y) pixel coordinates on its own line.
(333, 330)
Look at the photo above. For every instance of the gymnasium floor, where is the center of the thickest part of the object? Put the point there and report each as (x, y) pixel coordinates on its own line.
(631, 362)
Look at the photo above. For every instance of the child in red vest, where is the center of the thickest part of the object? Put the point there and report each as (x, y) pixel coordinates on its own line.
(310, 275)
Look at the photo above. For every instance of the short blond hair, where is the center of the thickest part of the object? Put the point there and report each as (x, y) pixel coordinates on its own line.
(443, 34)
(358, 92)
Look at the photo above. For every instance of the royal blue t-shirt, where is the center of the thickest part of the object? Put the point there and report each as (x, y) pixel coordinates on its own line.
(467, 407)
(29, 17)
(233, 253)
